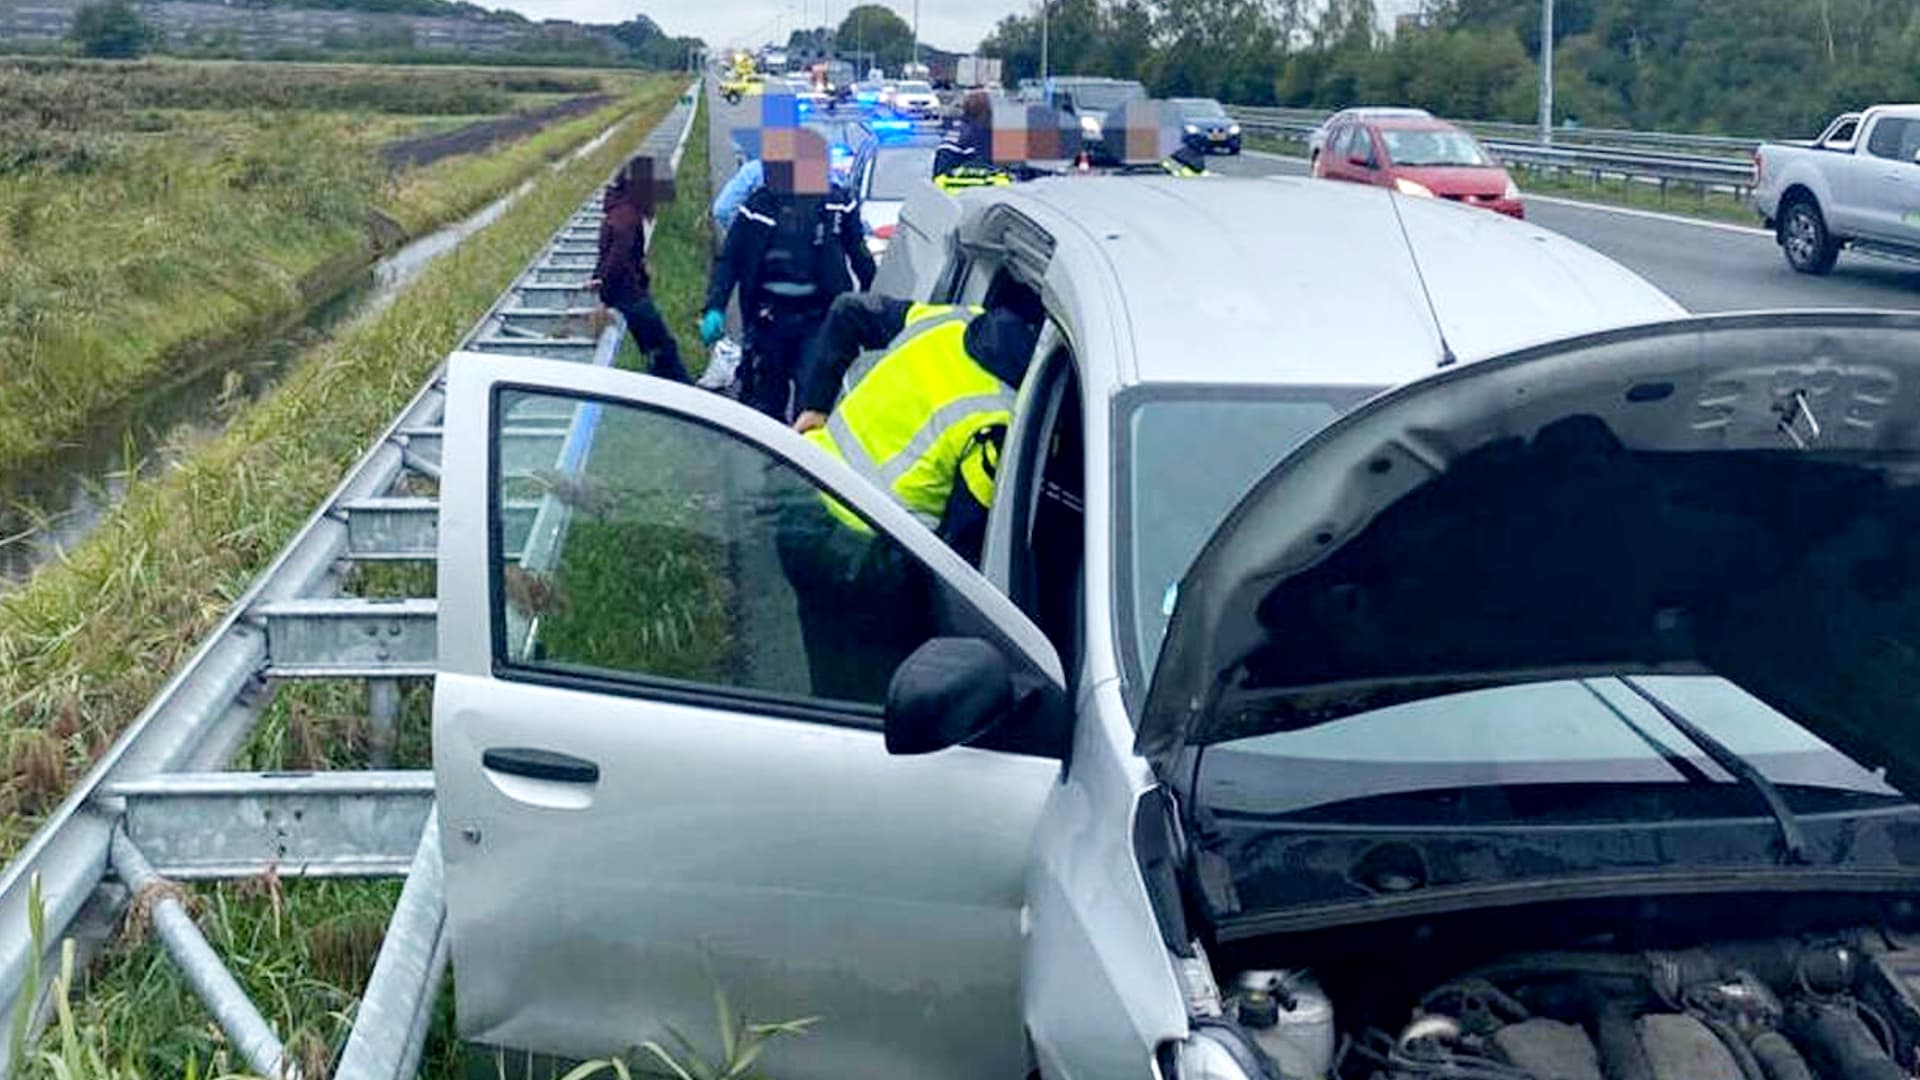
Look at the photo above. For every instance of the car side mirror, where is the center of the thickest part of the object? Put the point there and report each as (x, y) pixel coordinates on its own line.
(952, 691)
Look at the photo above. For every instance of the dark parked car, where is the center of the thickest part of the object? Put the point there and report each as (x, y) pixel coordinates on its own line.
(1205, 125)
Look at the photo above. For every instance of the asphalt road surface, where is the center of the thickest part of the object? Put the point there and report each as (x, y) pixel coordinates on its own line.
(1706, 266)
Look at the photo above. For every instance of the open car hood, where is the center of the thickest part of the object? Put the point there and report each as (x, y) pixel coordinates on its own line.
(1737, 495)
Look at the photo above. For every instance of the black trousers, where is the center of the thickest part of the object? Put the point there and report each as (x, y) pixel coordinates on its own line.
(650, 333)
(864, 605)
(776, 342)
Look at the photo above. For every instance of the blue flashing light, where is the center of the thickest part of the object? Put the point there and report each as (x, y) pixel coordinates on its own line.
(892, 125)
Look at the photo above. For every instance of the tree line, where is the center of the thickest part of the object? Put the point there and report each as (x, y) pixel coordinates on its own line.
(1750, 67)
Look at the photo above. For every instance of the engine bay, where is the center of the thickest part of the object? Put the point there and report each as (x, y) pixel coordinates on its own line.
(1653, 998)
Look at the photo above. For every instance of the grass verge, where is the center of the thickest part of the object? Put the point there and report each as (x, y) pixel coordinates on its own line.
(1607, 191)
(129, 255)
(87, 641)
(302, 949)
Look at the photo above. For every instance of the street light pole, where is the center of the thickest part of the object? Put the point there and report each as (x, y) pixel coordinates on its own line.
(1046, 75)
(1546, 72)
(916, 33)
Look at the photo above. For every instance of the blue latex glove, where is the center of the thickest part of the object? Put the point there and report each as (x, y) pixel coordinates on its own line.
(710, 326)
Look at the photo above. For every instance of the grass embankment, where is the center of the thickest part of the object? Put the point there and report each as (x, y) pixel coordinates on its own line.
(151, 214)
(671, 620)
(1682, 200)
(86, 642)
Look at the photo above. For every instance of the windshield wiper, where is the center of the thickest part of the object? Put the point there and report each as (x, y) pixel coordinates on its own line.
(1793, 842)
(1674, 759)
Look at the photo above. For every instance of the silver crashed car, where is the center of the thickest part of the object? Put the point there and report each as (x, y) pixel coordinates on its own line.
(1428, 655)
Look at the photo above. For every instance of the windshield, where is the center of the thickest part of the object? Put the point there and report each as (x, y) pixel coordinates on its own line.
(1202, 110)
(1568, 750)
(1435, 146)
(897, 169)
(1103, 96)
(916, 88)
(1190, 456)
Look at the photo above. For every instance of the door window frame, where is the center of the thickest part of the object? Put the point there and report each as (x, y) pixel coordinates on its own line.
(987, 611)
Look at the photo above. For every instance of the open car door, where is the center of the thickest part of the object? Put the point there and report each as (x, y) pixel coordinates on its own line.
(660, 768)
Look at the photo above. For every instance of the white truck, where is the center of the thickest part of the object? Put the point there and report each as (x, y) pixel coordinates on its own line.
(1857, 185)
(975, 71)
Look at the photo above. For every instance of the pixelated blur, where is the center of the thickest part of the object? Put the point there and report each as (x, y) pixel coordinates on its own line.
(640, 182)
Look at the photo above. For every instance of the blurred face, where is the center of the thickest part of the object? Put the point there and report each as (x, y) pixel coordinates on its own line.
(1023, 133)
(1145, 130)
(795, 159)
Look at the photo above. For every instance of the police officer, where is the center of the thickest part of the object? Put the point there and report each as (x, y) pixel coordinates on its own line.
(796, 244)
(964, 157)
(1185, 162)
(923, 424)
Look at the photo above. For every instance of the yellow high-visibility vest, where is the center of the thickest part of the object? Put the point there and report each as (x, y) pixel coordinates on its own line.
(972, 176)
(910, 425)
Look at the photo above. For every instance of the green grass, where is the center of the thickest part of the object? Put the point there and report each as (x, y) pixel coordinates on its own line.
(93, 636)
(1607, 191)
(128, 256)
(88, 640)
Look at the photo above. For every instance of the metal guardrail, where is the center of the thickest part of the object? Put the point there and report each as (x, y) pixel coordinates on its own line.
(1617, 138)
(157, 805)
(1661, 168)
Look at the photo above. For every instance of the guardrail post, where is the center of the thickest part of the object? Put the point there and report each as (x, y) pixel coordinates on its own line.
(383, 713)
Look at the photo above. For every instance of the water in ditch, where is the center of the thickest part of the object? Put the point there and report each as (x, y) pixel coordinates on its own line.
(53, 509)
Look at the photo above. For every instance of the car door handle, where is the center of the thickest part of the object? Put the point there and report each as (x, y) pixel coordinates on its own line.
(537, 764)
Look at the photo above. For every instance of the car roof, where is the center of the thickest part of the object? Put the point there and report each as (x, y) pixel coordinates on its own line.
(1408, 123)
(1363, 112)
(1296, 281)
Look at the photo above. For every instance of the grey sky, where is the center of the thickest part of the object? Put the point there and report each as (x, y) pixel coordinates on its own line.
(956, 25)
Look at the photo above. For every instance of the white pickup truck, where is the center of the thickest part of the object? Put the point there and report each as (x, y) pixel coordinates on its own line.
(1857, 185)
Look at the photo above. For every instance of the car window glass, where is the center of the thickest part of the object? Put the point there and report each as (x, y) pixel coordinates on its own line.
(1589, 739)
(898, 170)
(1895, 138)
(633, 545)
(1845, 133)
(1188, 461)
(1359, 144)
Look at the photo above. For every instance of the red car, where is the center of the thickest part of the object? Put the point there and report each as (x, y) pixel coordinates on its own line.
(1427, 158)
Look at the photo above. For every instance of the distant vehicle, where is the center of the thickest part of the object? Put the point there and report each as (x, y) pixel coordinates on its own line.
(1318, 138)
(916, 71)
(914, 98)
(1205, 125)
(891, 166)
(972, 71)
(774, 60)
(1424, 158)
(1857, 185)
(867, 92)
(1088, 100)
(846, 137)
(743, 86)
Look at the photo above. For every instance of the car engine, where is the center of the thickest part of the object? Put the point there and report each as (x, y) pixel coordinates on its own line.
(1840, 1005)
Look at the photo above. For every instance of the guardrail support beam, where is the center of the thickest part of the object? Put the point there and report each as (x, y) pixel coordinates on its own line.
(215, 985)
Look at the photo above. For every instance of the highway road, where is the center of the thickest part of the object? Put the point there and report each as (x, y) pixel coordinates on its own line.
(1706, 266)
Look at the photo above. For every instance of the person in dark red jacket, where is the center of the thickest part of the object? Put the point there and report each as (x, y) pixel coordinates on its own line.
(620, 276)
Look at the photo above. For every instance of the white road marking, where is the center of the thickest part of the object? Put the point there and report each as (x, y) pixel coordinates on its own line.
(1300, 165)
(1651, 215)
